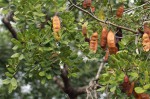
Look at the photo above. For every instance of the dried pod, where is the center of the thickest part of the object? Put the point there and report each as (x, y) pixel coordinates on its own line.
(88, 3)
(147, 29)
(130, 91)
(145, 96)
(84, 4)
(84, 30)
(111, 43)
(126, 78)
(111, 39)
(146, 42)
(56, 24)
(94, 42)
(103, 40)
(92, 9)
(113, 50)
(56, 36)
(106, 56)
(93, 46)
(120, 11)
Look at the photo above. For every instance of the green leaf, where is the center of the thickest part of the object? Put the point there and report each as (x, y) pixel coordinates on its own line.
(139, 90)
(11, 70)
(39, 14)
(8, 74)
(10, 88)
(42, 73)
(30, 75)
(147, 86)
(21, 57)
(14, 82)
(15, 55)
(134, 75)
(48, 76)
(15, 47)
(6, 81)
(113, 89)
(101, 89)
(43, 81)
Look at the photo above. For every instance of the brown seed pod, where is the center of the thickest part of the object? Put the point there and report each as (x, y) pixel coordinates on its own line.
(113, 50)
(120, 11)
(88, 3)
(147, 29)
(106, 56)
(130, 91)
(111, 43)
(84, 4)
(126, 78)
(94, 42)
(146, 42)
(92, 9)
(103, 40)
(111, 39)
(56, 24)
(84, 30)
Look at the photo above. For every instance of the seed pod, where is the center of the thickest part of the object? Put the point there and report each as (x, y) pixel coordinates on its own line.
(111, 39)
(147, 29)
(56, 36)
(111, 43)
(113, 50)
(88, 3)
(145, 96)
(56, 24)
(126, 78)
(92, 9)
(120, 11)
(94, 42)
(131, 89)
(106, 56)
(84, 4)
(103, 40)
(146, 42)
(84, 30)
(94, 36)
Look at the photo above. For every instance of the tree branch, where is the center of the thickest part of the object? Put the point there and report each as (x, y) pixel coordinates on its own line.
(136, 7)
(64, 75)
(65, 85)
(99, 70)
(106, 22)
(59, 82)
(81, 90)
(6, 21)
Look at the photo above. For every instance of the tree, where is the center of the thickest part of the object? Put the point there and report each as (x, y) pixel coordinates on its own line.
(45, 51)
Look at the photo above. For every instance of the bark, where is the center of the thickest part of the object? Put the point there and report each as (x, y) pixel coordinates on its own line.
(65, 85)
(6, 21)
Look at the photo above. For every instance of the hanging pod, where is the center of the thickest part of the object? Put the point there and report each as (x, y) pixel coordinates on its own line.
(94, 42)
(111, 43)
(56, 23)
(103, 39)
(120, 11)
(146, 42)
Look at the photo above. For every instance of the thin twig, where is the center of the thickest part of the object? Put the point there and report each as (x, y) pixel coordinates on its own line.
(106, 22)
(99, 70)
(136, 7)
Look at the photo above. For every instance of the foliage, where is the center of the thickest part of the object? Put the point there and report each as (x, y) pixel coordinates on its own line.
(40, 56)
